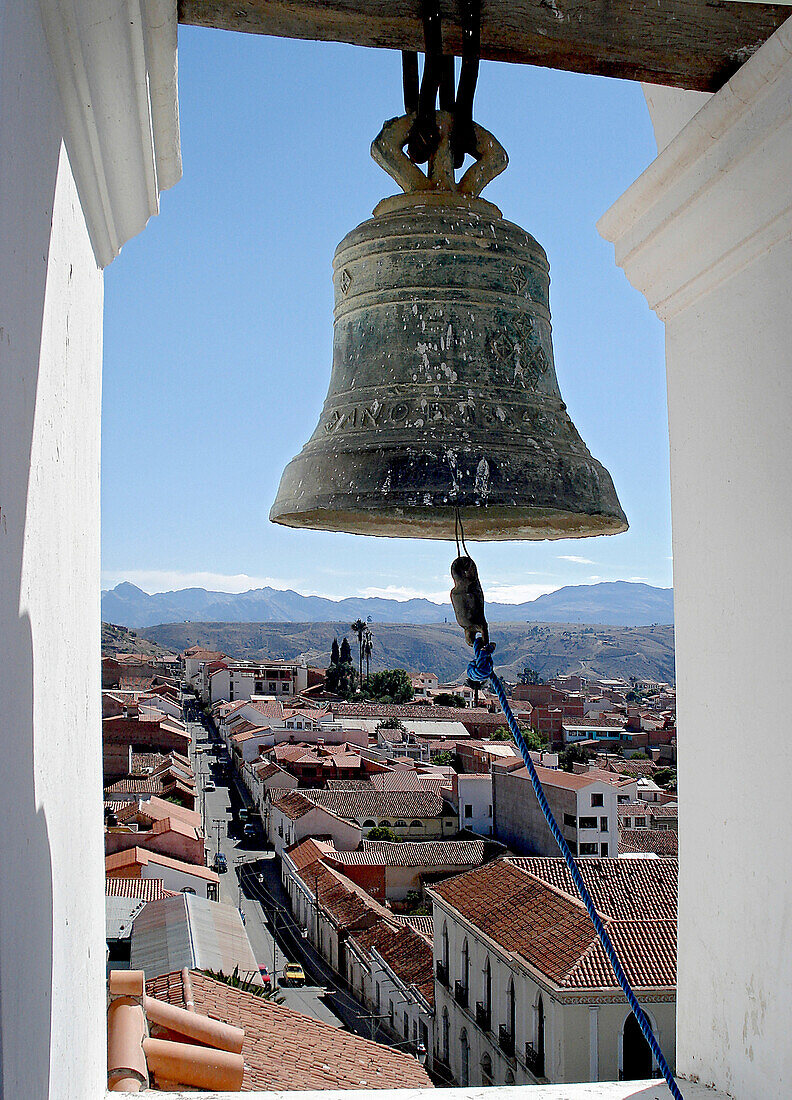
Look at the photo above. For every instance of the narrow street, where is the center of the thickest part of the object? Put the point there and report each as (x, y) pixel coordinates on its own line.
(253, 884)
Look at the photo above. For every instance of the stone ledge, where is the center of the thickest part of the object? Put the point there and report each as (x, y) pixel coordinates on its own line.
(604, 1090)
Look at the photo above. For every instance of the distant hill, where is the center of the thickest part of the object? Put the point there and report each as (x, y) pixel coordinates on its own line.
(618, 603)
(550, 648)
(117, 639)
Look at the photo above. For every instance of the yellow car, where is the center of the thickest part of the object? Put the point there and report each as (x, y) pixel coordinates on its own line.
(293, 974)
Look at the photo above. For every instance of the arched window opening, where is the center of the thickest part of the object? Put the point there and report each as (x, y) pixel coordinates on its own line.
(385, 824)
(444, 945)
(465, 964)
(416, 825)
(486, 1069)
(445, 1037)
(539, 1071)
(369, 824)
(511, 1010)
(400, 824)
(509, 1078)
(636, 1055)
(487, 993)
(464, 1059)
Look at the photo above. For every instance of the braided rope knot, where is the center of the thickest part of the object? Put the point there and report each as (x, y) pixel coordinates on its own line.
(481, 667)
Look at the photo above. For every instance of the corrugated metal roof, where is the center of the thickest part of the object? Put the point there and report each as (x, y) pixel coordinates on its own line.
(120, 912)
(190, 931)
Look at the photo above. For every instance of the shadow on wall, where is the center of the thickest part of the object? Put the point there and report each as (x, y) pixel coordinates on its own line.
(28, 172)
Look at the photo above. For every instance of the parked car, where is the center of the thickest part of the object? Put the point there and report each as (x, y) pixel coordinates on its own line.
(265, 975)
(209, 786)
(243, 814)
(249, 829)
(293, 974)
(220, 864)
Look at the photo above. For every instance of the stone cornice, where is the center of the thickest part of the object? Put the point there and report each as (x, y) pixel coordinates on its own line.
(114, 62)
(718, 195)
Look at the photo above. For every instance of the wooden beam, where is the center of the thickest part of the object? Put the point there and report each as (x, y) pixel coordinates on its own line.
(695, 44)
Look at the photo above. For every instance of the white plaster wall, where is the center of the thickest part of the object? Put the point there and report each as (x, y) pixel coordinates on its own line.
(51, 949)
(706, 235)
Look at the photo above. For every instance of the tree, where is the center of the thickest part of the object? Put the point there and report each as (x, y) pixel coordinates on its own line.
(448, 699)
(359, 628)
(266, 992)
(381, 832)
(345, 655)
(390, 724)
(502, 733)
(392, 685)
(530, 676)
(340, 679)
(444, 758)
(368, 643)
(575, 754)
(335, 656)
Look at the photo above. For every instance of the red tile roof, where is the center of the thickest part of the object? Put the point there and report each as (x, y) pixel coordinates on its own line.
(147, 889)
(374, 803)
(408, 954)
(529, 906)
(140, 857)
(284, 1050)
(661, 842)
(422, 853)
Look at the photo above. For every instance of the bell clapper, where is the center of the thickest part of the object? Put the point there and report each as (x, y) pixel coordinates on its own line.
(467, 595)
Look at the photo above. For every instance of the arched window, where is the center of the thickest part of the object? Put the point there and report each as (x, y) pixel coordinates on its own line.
(464, 1059)
(636, 1055)
(486, 1069)
(444, 946)
(487, 986)
(445, 1037)
(509, 1078)
(369, 824)
(416, 825)
(465, 964)
(400, 824)
(511, 1009)
(385, 824)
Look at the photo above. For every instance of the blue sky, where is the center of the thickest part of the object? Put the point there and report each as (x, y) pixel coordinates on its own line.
(218, 321)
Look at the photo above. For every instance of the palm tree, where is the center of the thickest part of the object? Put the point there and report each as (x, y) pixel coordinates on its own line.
(359, 628)
(368, 641)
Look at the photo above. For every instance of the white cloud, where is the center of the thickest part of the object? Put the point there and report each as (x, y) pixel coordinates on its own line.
(517, 593)
(577, 561)
(395, 592)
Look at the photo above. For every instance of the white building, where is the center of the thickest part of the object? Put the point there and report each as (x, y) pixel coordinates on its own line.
(473, 791)
(524, 992)
(584, 806)
(241, 681)
(90, 138)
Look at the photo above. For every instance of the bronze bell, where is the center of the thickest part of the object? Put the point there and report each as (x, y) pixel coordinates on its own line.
(443, 393)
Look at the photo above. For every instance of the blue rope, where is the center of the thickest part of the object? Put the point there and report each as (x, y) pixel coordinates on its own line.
(479, 671)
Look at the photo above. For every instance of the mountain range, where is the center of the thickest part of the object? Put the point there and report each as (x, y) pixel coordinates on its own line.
(614, 603)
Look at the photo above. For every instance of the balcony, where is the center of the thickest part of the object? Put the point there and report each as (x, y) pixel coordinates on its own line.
(460, 993)
(534, 1061)
(506, 1040)
(441, 971)
(483, 1016)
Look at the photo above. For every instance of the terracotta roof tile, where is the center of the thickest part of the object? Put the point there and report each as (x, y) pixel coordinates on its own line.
(407, 953)
(529, 906)
(374, 803)
(661, 842)
(286, 1051)
(147, 889)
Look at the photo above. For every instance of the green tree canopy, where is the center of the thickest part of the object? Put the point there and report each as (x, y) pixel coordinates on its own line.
(390, 724)
(575, 754)
(448, 699)
(345, 655)
(392, 685)
(340, 679)
(381, 832)
(445, 758)
(335, 656)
